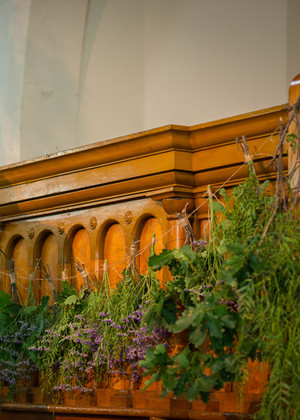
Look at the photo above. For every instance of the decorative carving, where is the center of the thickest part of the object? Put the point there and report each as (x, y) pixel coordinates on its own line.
(30, 232)
(174, 206)
(61, 228)
(128, 217)
(93, 222)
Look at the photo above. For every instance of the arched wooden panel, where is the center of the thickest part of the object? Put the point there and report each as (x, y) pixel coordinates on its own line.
(81, 252)
(4, 278)
(114, 251)
(20, 257)
(151, 226)
(49, 259)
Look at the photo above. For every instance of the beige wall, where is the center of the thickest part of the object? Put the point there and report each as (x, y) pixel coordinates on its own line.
(14, 18)
(51, 80)
(293, 39)
(89, 70)
(211, 59)
(112, 74)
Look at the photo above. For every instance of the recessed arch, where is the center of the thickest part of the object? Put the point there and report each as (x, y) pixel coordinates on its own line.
(101, 237)
(77, 250)
(148, 228)
(46, 253)
(17, 250)
(114, 252)
(81, 257)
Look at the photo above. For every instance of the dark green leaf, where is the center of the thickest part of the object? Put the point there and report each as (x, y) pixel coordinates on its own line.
(197, 336)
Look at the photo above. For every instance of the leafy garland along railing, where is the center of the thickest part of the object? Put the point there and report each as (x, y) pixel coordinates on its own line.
(98, 337)
(237, 297)
(85, 339)
(20, 328)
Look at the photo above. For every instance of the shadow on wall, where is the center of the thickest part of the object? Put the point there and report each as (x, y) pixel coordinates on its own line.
(53, 72)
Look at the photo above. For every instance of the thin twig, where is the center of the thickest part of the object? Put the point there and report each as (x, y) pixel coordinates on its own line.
(13, 283)
(185, 223)
(82, 271)
(248, 158)
(132, 263)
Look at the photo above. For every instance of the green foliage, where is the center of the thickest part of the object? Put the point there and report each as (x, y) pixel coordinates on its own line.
(97, 336)
(235, 299)
(20, 327)
(8, 310)
(196, 303)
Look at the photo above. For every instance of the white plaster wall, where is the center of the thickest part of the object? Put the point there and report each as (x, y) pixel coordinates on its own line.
(14, 17)
(52, 69)
(73, 72)
(208, 59)
(293, 39)
(112, 75)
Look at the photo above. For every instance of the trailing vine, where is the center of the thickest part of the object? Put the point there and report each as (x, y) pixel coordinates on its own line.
(235, 298)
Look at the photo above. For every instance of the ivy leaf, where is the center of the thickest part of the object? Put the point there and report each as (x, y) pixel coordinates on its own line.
(230, 364)
(197, 336)
(228, 321)
(157, 262)
(169, 311)
(193, 391)
(170, 381)
(153, 378)
(216, 365)
(71, 300)
(187, 317)
(215, 328)
(67, 291)
(221, 310)
(205, 383)
(182, 358)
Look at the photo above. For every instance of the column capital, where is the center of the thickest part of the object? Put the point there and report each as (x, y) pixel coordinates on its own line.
(173, 206)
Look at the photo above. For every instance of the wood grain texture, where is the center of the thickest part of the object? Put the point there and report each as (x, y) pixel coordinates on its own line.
(121, 169)
(151, 227)
(49, 259)
(153, 174)
(114, 253)
(81, 253)
(20, 256)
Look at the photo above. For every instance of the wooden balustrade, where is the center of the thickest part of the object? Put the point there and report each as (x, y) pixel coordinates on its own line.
(85, 205)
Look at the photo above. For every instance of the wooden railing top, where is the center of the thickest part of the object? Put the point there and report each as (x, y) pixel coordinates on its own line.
(166, 161)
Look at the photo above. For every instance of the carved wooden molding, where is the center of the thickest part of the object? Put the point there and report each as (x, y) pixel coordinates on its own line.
(172, 161)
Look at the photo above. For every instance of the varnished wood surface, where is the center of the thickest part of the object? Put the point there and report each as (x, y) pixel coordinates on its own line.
(140, 164)
(105, 403)
(81, 254)
(115, 253)
(87, 204)
(151, 226)
(49, 260)
(20, 257)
